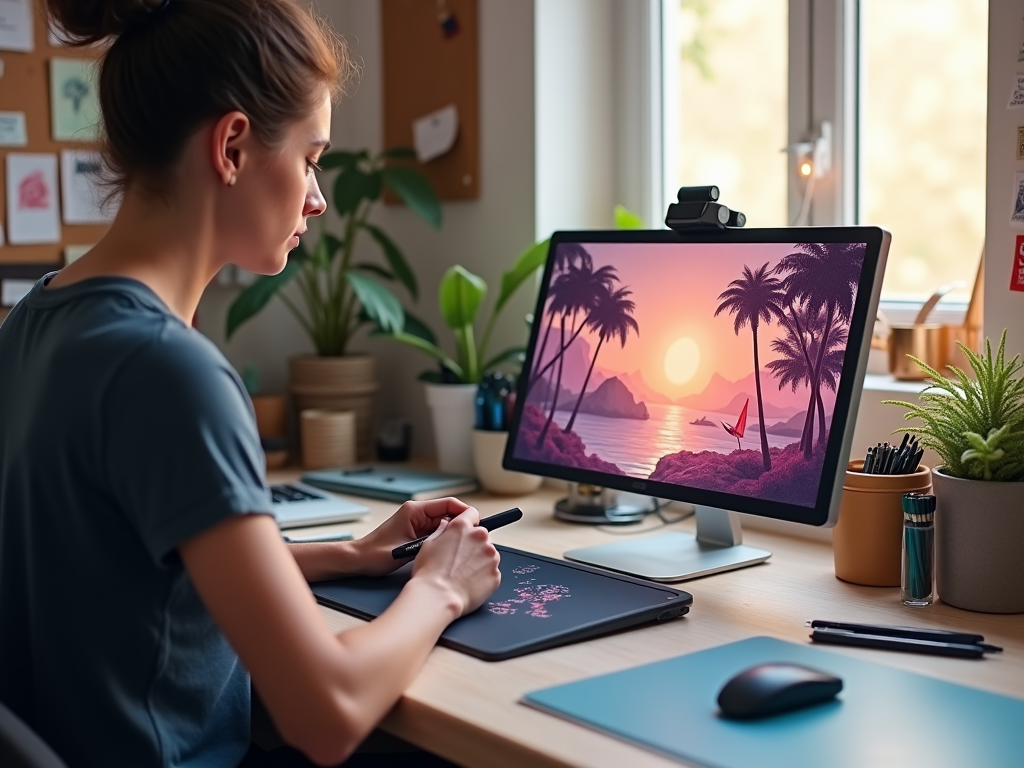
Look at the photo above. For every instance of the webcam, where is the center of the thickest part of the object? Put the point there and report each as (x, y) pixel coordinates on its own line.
(698, 207)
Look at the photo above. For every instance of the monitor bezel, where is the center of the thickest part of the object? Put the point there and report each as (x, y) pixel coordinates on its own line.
(824, 512)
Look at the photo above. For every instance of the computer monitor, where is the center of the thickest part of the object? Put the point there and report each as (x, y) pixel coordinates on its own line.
(717, 367)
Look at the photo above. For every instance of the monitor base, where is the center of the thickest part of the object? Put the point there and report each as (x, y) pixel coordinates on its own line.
(678, 556)
(594, 505)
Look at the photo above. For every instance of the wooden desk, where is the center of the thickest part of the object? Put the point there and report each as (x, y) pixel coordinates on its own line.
(466, 710)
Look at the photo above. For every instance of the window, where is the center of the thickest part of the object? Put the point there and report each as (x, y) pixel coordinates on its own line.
(902, 85)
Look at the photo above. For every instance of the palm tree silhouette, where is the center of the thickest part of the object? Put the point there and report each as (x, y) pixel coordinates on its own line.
(574, 291)
(611, 317)
(567, 256)
(754, 298)
(795, 366)
(821, 277)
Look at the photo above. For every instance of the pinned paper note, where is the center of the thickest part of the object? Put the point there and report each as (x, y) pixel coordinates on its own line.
(435, 134)
(82, 193)
(13, 290)
(16, 25)
(74, 100)
(32, 199)
(12, 129)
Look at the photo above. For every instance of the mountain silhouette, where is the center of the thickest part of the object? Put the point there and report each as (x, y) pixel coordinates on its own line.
(722, 395)
(612, 399)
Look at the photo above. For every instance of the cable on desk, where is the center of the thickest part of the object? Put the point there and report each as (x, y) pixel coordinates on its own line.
(664, 521)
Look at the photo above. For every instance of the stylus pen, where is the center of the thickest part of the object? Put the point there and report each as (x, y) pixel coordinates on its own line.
(490, 523)
(842, 637)
(913, 633)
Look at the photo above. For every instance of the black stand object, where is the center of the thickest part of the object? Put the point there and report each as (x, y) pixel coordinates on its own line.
(718, 543)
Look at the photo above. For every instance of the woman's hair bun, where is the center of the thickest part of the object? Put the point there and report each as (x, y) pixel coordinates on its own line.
(81, 22)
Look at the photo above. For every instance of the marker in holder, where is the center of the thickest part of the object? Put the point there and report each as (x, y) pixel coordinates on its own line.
(918, 549)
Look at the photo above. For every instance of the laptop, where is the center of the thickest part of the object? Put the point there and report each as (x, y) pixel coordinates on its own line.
(297, 504)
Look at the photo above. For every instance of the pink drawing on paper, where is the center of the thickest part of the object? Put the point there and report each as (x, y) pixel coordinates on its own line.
(33, 192)
(533, 598)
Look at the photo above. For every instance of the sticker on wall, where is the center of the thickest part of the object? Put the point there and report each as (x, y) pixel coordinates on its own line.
(1017, 275)
(74, 103)
(32, 199)
(1017, 217)
(1020, 143)
(1017, 96)
(12, 129)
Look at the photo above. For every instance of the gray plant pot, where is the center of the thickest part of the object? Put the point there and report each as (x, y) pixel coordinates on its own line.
(979, 543)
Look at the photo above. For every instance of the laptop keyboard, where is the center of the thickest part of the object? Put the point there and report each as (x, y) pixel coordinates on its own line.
(285, 493)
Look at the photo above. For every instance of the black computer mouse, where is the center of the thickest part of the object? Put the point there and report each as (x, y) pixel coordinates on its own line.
(770, 689)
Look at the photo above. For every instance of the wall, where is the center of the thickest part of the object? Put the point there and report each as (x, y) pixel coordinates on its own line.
(483, 235)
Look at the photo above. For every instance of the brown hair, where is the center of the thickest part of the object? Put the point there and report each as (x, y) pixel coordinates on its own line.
(171, 65)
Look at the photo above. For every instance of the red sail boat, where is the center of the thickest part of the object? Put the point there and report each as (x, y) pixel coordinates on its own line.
(741, 425)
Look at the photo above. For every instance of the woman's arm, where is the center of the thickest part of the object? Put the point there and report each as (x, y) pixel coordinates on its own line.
(325, 692)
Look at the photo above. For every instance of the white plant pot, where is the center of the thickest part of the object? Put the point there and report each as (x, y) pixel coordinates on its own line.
(453, 414)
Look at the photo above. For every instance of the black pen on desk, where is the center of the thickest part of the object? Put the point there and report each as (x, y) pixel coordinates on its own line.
(912, 633)
(410, 549)
(888, 642)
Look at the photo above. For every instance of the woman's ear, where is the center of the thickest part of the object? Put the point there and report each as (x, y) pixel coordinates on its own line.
(229, 141)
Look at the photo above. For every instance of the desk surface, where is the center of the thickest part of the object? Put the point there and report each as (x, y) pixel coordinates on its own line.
(467, 710)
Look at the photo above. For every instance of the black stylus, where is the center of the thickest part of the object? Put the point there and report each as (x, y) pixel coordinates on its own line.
(842, 637)
(490, 523)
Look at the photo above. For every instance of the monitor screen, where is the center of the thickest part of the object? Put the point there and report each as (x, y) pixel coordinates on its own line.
(718, 368)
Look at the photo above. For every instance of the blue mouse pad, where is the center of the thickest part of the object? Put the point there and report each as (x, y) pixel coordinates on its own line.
(541, 603)
(883, 717)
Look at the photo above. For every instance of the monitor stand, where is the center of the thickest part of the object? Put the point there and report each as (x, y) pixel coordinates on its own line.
(602, 506)
(678, 556)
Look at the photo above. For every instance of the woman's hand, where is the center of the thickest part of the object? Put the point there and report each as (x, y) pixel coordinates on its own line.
(460, 559)
(412, 520)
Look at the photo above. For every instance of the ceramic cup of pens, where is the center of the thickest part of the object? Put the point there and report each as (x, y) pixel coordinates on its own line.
(494, 401)
(867, 540)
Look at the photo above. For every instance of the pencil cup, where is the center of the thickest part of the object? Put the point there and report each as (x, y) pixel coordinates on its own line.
(488, 452)
(918, 579)
(328, 438)
(867, 540)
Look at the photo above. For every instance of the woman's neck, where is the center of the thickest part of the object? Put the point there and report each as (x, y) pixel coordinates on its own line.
(169, 247)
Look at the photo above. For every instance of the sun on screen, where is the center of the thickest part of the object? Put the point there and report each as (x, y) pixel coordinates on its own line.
(682, 360)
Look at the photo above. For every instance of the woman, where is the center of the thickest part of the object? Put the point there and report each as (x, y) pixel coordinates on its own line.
(142, 578)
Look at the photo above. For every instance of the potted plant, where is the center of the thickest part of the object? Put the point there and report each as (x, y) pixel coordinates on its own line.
(337, 295)
(976, 425)
(451, 387)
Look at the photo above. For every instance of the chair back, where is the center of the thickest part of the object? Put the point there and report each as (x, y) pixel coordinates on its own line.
(20, 747)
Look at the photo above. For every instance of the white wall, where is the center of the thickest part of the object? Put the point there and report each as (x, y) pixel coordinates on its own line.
(483, 235)
(1003, 308)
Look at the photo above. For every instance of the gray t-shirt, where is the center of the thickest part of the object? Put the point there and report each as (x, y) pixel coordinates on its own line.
(123, 432)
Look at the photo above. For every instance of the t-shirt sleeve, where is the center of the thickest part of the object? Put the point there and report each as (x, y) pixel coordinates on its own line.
(181, 448)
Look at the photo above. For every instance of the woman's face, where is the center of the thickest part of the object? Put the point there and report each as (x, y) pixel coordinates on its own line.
(274, 196)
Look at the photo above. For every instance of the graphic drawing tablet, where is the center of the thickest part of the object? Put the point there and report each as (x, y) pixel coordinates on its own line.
(541, 603)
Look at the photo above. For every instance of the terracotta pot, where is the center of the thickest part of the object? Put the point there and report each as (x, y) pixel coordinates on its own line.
(867, 541)
(271, 415)
(345, 383)
(979, 544)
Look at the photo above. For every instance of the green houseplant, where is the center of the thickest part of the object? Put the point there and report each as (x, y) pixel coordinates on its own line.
(451, 387)
(976, 425)
(338, 295)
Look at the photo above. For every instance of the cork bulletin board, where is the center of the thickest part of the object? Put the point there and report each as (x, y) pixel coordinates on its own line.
(431, 61)
(25, 88)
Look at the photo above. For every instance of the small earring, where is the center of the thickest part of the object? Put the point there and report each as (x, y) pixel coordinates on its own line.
(232, 180)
